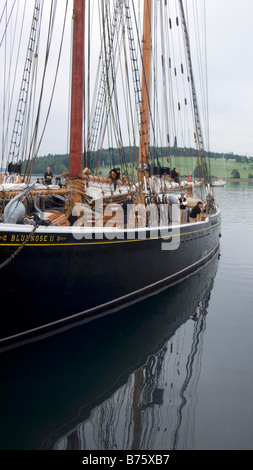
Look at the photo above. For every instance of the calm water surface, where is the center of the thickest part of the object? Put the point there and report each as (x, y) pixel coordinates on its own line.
(172, 372)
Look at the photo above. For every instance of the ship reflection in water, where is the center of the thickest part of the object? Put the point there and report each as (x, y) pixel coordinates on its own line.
(155, 407)
(127, 381)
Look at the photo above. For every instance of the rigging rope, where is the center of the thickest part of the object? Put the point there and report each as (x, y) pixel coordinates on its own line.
(55, 79)
(104, 80)
(7, 20)
(11, 78)
(31, 151)
(19, 150)
(199, 134)
(23, 96)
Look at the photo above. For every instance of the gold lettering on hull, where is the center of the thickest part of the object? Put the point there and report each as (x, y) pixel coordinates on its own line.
(43, 239)
(34, 238)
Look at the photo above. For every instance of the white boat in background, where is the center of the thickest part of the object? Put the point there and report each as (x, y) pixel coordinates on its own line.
(219, 183)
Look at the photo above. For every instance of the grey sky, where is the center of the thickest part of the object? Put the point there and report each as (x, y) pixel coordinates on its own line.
(230, 59)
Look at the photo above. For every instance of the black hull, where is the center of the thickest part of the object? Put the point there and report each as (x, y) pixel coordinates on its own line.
(58, 280)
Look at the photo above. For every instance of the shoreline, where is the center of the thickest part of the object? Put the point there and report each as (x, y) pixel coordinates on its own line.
(239, 180)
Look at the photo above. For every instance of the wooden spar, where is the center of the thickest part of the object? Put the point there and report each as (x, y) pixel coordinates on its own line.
(144, 126)
(76, 130)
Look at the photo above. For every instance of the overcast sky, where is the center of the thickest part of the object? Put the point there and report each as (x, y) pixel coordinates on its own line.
(230, 80)
(230, 59)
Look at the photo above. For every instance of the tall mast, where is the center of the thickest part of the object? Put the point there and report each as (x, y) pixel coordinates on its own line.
(76, 130)
(144, 126)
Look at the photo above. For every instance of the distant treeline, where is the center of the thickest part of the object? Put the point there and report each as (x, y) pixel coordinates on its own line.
(111, 157)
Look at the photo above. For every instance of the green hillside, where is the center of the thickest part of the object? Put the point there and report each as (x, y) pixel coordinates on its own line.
(219, 166)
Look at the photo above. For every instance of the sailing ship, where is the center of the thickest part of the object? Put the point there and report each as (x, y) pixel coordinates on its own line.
(72, 254)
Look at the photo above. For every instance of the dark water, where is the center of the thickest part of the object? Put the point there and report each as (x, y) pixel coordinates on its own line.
(172, 372)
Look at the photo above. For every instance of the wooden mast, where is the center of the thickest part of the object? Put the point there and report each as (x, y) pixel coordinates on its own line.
(144, 126)
(76, 130)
